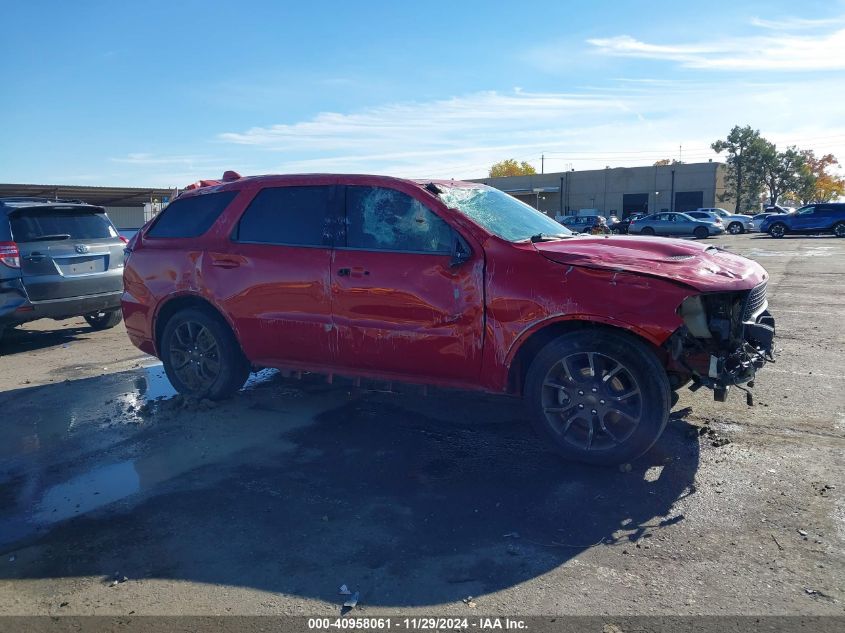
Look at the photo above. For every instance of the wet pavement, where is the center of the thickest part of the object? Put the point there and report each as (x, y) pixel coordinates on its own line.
(267, 503)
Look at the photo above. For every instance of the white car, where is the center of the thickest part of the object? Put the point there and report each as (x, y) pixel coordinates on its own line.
(735, 223)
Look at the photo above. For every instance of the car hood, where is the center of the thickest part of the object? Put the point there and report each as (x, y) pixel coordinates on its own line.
(705, 268)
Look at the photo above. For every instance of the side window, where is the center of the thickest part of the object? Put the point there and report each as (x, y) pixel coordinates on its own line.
(190, 217)
(807, 211)
(294, 216)
(385, 219)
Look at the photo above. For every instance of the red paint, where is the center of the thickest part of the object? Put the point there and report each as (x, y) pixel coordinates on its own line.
(415, 317)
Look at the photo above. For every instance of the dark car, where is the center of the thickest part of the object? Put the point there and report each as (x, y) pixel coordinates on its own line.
(620, 227)
(58, 259)
(591, 224)
(828, 217)
(449, 283)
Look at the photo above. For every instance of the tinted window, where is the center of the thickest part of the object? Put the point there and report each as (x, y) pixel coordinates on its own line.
(386, 219)
(298, 216)
(190, 217)
(45, 224)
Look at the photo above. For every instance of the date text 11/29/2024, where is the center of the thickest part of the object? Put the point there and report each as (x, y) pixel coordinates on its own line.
(416, 624)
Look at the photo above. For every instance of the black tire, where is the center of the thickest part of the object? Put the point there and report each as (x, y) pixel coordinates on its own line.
(777, 230)
(701, 233)
(839, 229)
(211, 365)
(736, 228)
(647, 231)
(105, 319)
(566, 404)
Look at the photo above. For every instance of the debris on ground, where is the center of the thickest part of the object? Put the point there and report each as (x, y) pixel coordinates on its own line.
(63, 604)
(352, 601)
(344, 591)
(118, 579)
(803, 533)
(468, 601)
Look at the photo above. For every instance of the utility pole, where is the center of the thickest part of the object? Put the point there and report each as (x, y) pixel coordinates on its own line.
(542, 163)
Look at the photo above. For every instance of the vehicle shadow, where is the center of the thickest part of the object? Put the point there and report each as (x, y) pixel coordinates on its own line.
(18, 341)
(297, 488)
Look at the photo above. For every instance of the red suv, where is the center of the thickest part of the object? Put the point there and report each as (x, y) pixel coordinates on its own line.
(447, 283)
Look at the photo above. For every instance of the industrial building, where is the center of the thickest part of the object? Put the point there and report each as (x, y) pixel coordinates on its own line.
(620, 191)
(128, 207)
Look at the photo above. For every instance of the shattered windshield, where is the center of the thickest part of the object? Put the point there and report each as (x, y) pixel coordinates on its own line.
(501, 214)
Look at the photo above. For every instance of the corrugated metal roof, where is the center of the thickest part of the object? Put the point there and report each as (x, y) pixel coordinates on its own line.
(101, 196)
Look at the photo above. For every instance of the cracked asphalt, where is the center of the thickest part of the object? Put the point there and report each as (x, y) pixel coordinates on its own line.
(118, 498)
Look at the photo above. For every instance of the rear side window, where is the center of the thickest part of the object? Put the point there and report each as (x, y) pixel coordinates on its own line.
(190, 217)
(385, 219)
(293, 216)
(55, 224)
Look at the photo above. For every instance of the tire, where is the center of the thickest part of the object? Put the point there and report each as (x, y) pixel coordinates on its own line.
(839, 229)
(562, 401)
(735, 228)
(701, 233)
(777, 230)
(647, 231)
(201, 356)
(104, 320)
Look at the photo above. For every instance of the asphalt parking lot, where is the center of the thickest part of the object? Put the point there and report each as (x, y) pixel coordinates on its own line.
(117, 499)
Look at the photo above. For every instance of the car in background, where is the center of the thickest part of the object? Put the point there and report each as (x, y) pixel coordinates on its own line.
(757, 219)
(589, 224)
(734, 223)
(620, 227)
(776, 208)
(442, 282)
(59, 259)
(675, 225)
(707, 216)
(826, 217)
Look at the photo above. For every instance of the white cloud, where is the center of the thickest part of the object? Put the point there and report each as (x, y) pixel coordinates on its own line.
(141, 158)
(780, 51)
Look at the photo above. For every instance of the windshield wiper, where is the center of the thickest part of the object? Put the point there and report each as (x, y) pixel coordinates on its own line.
(547, 237)
(45, 238)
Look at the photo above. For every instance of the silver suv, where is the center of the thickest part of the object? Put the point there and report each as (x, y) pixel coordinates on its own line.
(734, 223)
(59, 259)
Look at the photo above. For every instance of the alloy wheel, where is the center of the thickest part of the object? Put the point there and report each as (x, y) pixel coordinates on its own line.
(195, 355)
(592, 401)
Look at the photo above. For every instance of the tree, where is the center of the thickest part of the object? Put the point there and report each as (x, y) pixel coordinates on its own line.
(815, 182)
(746, 157)
(663, 162)
(510, 167)
(782, 171)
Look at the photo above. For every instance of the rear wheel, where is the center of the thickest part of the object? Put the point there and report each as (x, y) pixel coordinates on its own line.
(647, 231)
(839, 229)
(598, 397)
(735, 228)
(104, 319)
(700, 232)
(201, 356)
(777, 230)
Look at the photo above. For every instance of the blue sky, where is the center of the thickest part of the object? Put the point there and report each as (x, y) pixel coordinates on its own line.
(165, 93)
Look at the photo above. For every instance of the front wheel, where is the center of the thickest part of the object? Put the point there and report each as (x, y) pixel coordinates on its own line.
(104, 319)
(839, 229)
(777, 230)
(735, 228)
(201, 356)
(647, 231)
(598, 397)
(700, 232)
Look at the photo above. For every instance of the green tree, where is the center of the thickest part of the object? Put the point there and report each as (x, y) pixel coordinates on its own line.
(510, 167)
(745, 178)
(816, 183)
(783, 172)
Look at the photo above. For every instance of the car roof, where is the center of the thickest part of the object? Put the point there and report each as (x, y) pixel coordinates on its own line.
(9, 205)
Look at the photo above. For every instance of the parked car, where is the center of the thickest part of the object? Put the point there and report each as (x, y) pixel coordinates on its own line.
(707, 216)
(757, 220)
(620, 227)
(449, 283)
(734, 223)
(828, 217)
(58, 259)
(776, 208)
(590, 224)
(676, 225)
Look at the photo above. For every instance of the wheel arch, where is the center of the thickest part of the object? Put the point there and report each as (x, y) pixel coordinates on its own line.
(532, 341)
(176, 303)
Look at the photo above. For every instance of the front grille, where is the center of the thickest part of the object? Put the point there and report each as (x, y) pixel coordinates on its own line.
(755, 302)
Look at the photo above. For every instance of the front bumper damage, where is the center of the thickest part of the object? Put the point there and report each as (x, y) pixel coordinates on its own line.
(739, 340)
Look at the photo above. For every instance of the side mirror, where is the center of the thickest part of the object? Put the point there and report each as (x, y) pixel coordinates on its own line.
(461, 253)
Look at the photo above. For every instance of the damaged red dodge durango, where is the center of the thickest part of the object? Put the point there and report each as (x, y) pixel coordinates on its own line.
(447, 283)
